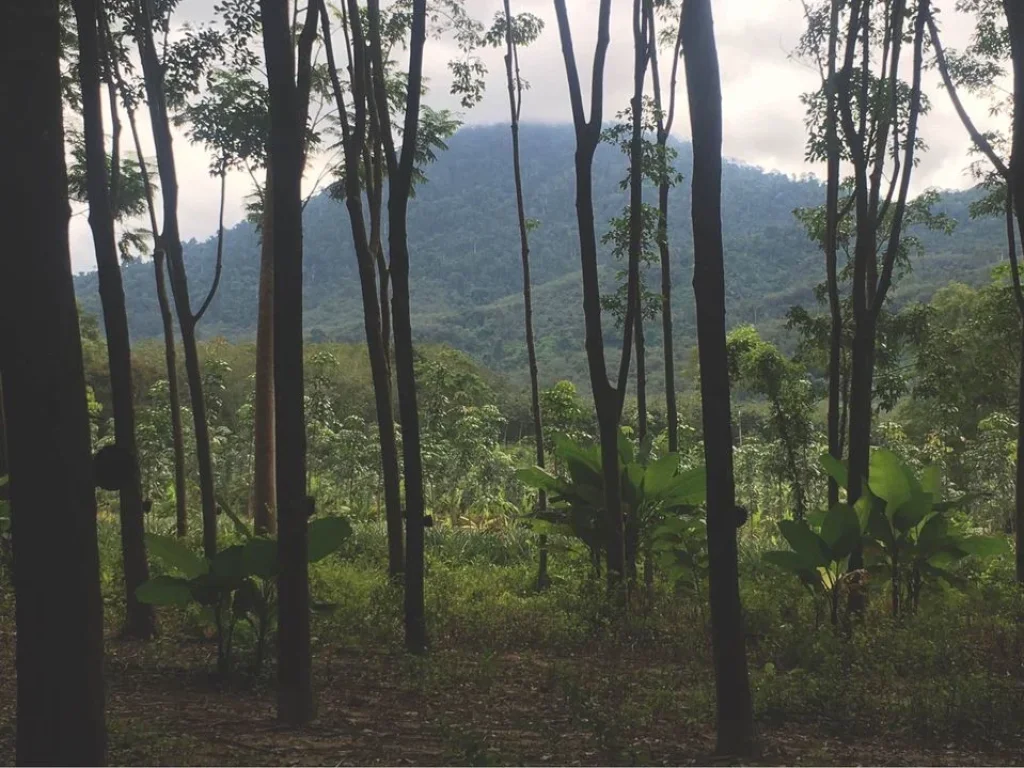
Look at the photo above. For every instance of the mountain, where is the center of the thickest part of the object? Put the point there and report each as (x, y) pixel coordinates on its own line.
(464, 243)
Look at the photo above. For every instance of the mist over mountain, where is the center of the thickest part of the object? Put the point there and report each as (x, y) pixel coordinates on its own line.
(466, 275)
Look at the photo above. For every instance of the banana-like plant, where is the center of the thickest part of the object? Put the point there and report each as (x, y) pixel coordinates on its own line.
(237, 584)
(651, 489)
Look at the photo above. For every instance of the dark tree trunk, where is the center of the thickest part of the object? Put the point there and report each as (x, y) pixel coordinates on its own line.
(166, 319)
(264, 476)
(636, 212)
(665, 121)
(1015, 21)
(58, 608)
(3, 444)
(295, 704)
(171, 242)
(736, 734)
(139, 621)
(607, 398)
(379, 369)
(515, 100)
(400, 189)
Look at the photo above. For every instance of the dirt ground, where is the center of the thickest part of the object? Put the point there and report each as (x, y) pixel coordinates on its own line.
(386, 708)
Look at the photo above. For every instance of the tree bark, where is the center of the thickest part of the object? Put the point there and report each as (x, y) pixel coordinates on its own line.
(171, 241)
(264, 481)
(400, 170)
(166, 319)
(607, 397)
(139, 620)
(58, 608)
(515, 101)
(1015, 22)
(665, 122)
(295, 702)
(831, 257)
(379, 369)
(736, 734)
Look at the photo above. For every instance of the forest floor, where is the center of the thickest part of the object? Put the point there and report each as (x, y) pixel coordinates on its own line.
(520, 677)
(452, 708)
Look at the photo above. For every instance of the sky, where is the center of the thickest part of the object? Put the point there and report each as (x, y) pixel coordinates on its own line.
(761, 83)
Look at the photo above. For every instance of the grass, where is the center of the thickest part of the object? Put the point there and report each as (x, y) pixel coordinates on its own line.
(520, 677)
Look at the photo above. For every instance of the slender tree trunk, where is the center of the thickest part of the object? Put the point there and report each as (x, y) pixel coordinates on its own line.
(665, 121)
(515, 93)
(831, 258)
(1015, 22)
(379, 368)
(295, 702)
(264, 481)
(400, 189)
(607, 398)
(636, 210)
(139, 621)
(58, 608)
(166, 319)
(736, 734)
(171, 242)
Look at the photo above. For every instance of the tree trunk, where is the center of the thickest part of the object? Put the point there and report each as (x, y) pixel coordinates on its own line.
(264, 480)
(1015, 22)
(58, 608)
(379, 368)
(400, 189)
(139, 621)
(166, 319)
(515, 106)
(831, 258)
(607, 399)
(171, 241)
(736, 734)
(3, 443)
(173, 396)
(859, 449)
(295, 703)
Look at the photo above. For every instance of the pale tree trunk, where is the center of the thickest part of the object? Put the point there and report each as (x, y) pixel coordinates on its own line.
(56, 579)
(735, 716)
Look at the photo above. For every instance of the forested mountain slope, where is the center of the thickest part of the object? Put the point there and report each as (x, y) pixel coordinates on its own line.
(466, 278)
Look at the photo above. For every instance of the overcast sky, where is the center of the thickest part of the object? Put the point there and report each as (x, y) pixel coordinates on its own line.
(761, 84)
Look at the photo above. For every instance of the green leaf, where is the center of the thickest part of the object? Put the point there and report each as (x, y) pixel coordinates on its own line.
(836, 469)
(164, 590)
(625, 448)
(789, 561)
(535, 477)
(326, 534)
(841, 531)
(912, 512)
(659, 475)
(261, 557)
(174, 554)
(889, 479)
(931, 480)
(984, 546)
(805, 543)
(690, 488)
(933, 536)
(229, 568)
